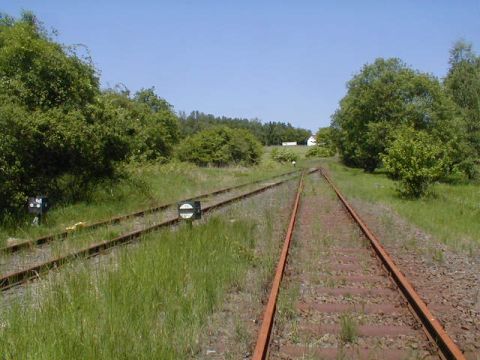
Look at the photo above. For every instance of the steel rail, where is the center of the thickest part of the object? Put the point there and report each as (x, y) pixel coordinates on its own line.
(434, 330)
(118, 219)
(10, 280)
(261, 348)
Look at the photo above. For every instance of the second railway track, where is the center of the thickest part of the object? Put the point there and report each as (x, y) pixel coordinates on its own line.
(342, 297)
(33, 269)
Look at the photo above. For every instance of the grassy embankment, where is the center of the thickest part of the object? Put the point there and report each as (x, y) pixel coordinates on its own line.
(149, 301)
(450, 214)
(142, 187)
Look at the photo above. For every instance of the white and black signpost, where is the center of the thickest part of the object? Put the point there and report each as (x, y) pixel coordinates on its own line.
(189, 211)
(38, 206)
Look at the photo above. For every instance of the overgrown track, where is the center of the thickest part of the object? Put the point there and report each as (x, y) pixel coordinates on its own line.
(118, 219)
(394, 307)
(17, 278)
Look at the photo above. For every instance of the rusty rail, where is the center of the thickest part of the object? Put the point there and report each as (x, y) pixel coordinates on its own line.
(263, 339)
(118, 219)
(10, 280)
(434, 330)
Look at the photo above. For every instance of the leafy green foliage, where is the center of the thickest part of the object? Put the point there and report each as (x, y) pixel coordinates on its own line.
(319, 151)
(463, 85)
(325, 144)
(283, 155)
(417, 159)
(41, 149)
(382, 97)
(221, 146)
(39, 73)
(325, 138)
(146, 121)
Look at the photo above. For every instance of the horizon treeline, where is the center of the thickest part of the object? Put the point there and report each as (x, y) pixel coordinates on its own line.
(269, 133)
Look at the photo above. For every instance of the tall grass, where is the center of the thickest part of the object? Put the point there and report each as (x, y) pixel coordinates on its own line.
(451, 213)
(150, 303)
(141, 187)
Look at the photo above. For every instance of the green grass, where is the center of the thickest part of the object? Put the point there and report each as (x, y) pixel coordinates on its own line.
(152, 300)
(152, 305)
(143, 187)
(451, 213)
(348, 329)
(300, 150)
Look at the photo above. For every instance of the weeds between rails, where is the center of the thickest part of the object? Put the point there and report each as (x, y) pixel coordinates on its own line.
(118, 219)
(432, 328)
(17, 278)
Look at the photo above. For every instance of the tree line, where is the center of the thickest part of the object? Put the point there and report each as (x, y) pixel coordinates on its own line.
(419, 128)
(269, 133)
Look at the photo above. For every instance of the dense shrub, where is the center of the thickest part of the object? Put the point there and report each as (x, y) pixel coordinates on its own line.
(221, 146)
(416, 159)
(325, 138)
(283, 155)
(146, 121)
(319, 151)
(39, 149)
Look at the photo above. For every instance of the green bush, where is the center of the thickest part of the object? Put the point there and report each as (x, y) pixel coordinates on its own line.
(52, 152)
(383, 97)
(319, 151)
(283, 155)
(416, 159)
(60, 132)
(221, 146)
(145, 121)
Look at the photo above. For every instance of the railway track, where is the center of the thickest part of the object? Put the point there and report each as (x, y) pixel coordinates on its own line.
(34, 271)
(350, 300)
(119, 219)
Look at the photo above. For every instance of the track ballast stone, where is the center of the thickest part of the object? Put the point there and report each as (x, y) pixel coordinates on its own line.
(336, 300)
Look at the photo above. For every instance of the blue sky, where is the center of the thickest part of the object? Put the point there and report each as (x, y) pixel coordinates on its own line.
(275, 60)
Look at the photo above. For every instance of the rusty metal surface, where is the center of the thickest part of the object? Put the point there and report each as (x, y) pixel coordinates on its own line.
(261, 347)
(433, 328)
(118, 219)
(10, 280)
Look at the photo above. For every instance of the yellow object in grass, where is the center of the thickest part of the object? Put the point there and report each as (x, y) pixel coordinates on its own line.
(76, 226)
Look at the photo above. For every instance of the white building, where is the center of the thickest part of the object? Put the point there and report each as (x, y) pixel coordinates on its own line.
(311, 141)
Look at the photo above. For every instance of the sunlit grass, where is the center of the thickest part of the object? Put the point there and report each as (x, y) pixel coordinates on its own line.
(151, 300)
(451, 213)
(145, 186)
(151, 305)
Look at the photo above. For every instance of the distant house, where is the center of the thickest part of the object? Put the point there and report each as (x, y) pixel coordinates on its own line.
(311, 141)
(289, 143)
